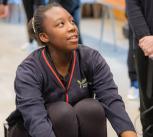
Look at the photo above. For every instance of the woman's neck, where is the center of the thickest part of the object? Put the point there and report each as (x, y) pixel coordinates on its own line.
(61, 61)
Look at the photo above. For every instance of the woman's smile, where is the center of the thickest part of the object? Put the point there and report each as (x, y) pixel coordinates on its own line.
(73, 38)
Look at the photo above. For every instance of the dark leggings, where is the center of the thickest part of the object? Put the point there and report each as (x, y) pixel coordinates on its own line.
(85, 119)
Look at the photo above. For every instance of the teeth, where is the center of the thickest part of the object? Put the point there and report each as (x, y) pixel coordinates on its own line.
(73, 37)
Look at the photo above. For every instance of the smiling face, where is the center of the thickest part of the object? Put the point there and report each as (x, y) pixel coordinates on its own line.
(60, 29)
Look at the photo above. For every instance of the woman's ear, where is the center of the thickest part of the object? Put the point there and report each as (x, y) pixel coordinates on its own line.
(43, 37)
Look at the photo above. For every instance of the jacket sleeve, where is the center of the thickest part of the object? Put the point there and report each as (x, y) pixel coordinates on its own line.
(107, 93)
(136, 18)
(30, 102)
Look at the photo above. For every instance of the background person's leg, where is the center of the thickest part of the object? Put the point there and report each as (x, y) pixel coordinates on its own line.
(29, 10)
(37, 3)
(130, 60)
(76, 15)
(29, 7)
(133, 92)
(64, 119)
(91, 118)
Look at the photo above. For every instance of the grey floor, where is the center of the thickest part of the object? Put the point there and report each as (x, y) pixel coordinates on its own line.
(13, 36)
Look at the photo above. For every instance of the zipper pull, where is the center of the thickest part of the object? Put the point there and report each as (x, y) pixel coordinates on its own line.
(66, 97)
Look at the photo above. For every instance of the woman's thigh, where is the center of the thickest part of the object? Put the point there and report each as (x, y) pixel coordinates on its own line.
(63, 119)
(91, 118)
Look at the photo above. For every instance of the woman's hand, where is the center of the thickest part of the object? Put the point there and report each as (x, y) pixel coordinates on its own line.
(4, 11)
(128, 134)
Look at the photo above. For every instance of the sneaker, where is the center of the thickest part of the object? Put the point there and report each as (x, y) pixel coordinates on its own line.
(134, 83)
(133, 93)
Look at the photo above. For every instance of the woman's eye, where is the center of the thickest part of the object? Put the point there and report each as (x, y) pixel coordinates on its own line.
(60, 24)
(72, 22)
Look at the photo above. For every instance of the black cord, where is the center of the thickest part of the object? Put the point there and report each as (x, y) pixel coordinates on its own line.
(148, 131)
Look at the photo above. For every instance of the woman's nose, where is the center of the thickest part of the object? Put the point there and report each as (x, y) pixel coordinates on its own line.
(72, 27)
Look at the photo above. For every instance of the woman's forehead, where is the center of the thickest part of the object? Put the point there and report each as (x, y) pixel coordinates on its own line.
(57, 12)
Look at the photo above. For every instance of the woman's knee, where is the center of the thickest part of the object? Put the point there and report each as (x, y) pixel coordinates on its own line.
(91, 117)
(64, 119)
(60, 110)
(90, 107)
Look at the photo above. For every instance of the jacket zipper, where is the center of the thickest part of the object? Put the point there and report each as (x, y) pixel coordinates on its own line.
(58, 79)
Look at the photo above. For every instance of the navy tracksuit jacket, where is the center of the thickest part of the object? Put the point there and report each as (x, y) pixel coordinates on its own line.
(37, 83)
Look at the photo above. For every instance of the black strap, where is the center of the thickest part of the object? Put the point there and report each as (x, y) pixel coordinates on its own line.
(150, 79)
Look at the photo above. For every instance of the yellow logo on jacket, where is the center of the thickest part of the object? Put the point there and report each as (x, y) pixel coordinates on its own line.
(82, 83)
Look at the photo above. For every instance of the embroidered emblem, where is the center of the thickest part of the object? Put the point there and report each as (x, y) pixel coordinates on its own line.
(82, 83)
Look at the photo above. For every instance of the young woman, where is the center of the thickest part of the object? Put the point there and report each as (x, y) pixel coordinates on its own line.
(55, 84)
